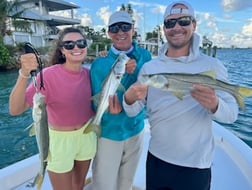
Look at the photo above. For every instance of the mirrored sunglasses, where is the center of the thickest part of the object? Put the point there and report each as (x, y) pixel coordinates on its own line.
(182, 21)
(69, 45)
(124, 27)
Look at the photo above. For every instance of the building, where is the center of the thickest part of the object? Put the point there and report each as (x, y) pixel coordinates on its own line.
(152, 45)
(44, 23)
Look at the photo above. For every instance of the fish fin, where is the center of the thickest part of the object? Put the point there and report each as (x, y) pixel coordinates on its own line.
(240, 101)
(211, 73)
(96, 99)
(30, 126)
(121, 88)
(88, 181)
(179, 94)
(38, 181)
(243, 93)
(32, 129)
(47, 158)
(88, 129)
(89, 126)
(94, 128)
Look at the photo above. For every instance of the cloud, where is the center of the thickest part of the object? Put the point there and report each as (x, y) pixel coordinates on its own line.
(247, 29)
(158, 9)
(103, 13)
(210, 21)
(244, 38)
(236, 5)
(240, 40)
(224, 37)
(86, 20)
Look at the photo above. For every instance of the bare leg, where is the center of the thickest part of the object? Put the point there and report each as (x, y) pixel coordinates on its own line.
(74, 180)
(79, 174)
(61, 181)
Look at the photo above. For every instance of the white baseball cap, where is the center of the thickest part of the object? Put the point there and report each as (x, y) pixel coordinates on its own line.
(170, 10)
(120, 16)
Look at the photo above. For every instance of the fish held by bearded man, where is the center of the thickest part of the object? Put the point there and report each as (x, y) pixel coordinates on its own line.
(181, 83)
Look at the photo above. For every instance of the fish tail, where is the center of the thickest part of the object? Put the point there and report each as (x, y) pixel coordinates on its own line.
(243, 93)
(39, 184)
(89, 128)
(97, 130)
(92, 127)
(37, 181)
(88, 181)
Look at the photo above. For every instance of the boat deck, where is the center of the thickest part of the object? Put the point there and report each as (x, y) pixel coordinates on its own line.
(231, 169)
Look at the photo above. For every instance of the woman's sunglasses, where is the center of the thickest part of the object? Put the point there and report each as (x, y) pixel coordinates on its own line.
(124, 27)
(69, 45)
(182, 21)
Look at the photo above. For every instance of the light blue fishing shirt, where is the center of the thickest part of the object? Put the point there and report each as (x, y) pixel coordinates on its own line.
(118, 126)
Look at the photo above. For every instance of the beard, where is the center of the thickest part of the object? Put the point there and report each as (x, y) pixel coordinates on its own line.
(179, 45)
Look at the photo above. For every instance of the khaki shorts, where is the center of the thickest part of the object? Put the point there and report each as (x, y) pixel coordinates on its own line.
(67, 146)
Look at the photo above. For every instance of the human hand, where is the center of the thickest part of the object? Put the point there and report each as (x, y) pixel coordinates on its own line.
(206, 96)
(28, 63)
(103, 53)
(130, 66)
(135, 92)
(114, 104)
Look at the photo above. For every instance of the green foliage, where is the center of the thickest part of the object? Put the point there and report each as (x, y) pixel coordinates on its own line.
(105, 45)
(8, 9)
(4, 55)
(22, 26)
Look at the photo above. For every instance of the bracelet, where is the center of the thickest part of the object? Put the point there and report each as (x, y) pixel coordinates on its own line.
(22, 75)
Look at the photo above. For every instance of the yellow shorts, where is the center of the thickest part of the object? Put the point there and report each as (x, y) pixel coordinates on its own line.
(67, 146)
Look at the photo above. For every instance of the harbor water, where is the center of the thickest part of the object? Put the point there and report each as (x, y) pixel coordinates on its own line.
(16, 144)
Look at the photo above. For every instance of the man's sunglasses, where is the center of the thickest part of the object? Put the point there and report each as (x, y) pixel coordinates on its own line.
(182, 21)
(69, 45)
(124, 27)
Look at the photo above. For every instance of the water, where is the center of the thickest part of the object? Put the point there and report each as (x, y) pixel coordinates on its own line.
(239, 65)
(15, 143)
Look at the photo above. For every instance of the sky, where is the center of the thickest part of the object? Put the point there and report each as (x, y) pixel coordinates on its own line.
(225, 22)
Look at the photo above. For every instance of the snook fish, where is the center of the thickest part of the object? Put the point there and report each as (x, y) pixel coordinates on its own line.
(109, 87)
(180, 83)
(39, 127)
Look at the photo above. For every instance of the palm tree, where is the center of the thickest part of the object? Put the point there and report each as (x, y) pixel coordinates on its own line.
(3, 16)
(129, 10)
(9, 16)
(103, 32)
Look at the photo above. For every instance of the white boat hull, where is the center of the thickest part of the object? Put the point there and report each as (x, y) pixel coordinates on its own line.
(231, 169)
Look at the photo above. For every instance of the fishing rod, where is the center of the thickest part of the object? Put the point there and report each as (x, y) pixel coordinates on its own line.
(29, 48)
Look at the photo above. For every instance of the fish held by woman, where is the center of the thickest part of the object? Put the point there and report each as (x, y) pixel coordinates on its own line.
(181, 83)
(39, 128)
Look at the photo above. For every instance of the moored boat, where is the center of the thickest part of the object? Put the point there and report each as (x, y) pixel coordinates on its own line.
(231, 168)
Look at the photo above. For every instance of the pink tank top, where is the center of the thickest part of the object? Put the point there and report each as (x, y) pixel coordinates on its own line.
(68, 95)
